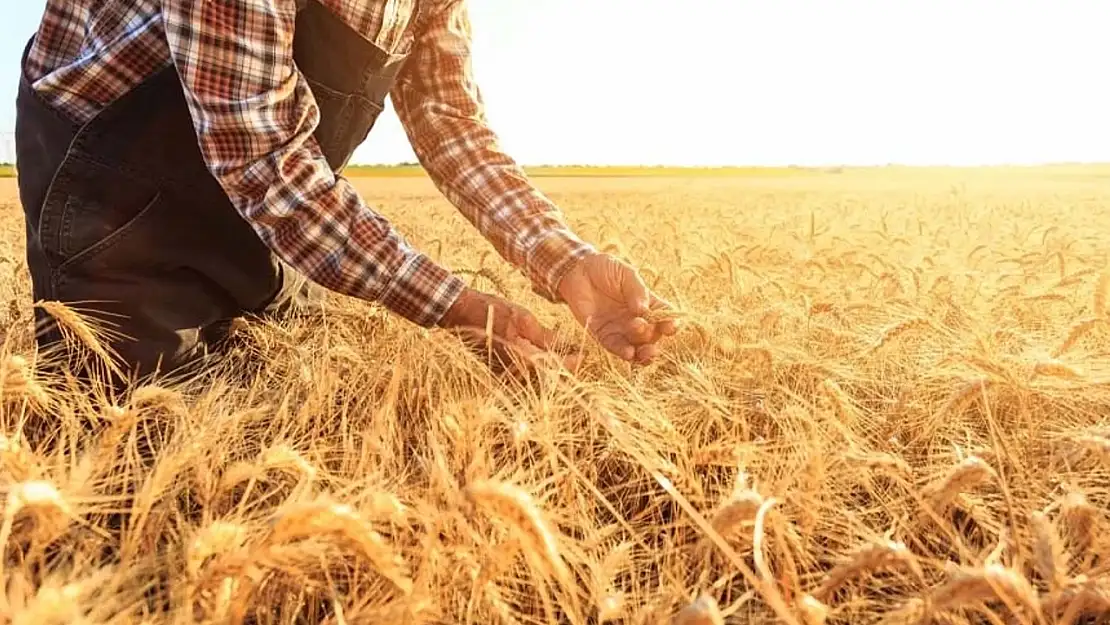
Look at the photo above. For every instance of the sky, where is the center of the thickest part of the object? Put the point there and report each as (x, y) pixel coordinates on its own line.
(764, 82)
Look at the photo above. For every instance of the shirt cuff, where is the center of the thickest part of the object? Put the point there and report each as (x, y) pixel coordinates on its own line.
(551, 258)
(421, 291)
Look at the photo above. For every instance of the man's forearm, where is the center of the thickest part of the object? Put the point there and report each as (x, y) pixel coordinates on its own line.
(440, 107)
(320, 225)
(492, 192)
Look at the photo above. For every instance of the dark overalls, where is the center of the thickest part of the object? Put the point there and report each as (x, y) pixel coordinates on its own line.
(126, 224)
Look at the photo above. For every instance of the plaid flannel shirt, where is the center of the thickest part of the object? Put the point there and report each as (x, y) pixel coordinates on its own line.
(252, 113)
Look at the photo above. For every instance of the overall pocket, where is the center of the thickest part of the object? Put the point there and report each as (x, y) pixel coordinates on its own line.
(88, 207)
(345, 122)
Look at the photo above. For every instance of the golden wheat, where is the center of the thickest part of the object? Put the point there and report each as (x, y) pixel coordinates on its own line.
(1080, 520)
(969, 587)
(965, 475)
(813, 611)
(867, 559)
(840, 336)
(1049, 556)
(322, 517)
(516, 507)
(1097, 446)
(703, 611)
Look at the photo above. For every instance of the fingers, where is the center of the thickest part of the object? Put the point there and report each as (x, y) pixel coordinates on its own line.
(646, 353)
(636, 331)
(633, 339)
(507, 336)
(635, 292)
(512, 321)
(614, 336)
(517, 356)
(618, 277)
(528, 327)
(619, 346)
(570, 362)
(501, 354)
(666, 327)
(514, 339)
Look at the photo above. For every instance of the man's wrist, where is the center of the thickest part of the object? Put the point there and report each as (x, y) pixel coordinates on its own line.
(422, 292)
(455, 315)
(560, 279)
(551, 259)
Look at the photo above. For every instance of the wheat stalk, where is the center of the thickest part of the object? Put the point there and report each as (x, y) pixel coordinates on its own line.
(1048, 551)
(883, 461)
(216, 538)
(17, 381)
(1057, 369)
(740, 507)
(965, 475)
(866, 560)
(513, 505)
(813, 612)
(659, 315)
(323, 517)
(1084, 599)
(15, 459)
(40, 499)
(1080, 520)
(1097, 446)
(1101, 289)
(971, 586)
(1076, 334)
(57, 603)
(703, 611)
(75, 326)
(840, 401)
(902, 328)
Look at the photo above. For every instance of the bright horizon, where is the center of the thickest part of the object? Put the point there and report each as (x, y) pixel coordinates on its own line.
(740, 82)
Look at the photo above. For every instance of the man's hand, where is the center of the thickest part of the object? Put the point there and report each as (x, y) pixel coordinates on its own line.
(509, 334)
(609, 298)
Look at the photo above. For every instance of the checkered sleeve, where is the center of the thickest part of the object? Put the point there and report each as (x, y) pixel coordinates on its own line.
(255, 116)
(441, 108)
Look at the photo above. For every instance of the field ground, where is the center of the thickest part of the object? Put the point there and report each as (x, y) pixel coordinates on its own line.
(562, 171)
(890, 401)
(572, 171)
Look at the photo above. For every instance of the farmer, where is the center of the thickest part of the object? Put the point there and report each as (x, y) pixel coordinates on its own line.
(180, 166)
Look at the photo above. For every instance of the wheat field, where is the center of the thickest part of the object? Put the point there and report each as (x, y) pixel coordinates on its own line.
(888, 403)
